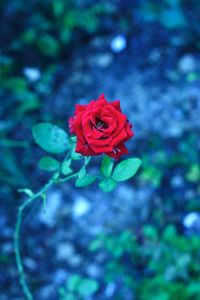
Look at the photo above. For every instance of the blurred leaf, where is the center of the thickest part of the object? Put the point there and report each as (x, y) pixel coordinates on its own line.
(173, 18)
(16, 85)
(29, 36)
(150, 232)
(86, 180)
(48, 45)
(30, 102)
(126, 169)
(73, 282)
(58, 7)
(169, 233)
(88, 287)
(96, 244)
(194, 173)
(107, 185)
(106, 166)
(49, 164)
(50, 137)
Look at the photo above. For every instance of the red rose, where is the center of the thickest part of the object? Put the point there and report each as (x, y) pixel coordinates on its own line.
(100, 128)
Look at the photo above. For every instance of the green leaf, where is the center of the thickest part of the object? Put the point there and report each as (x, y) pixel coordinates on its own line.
(48, 45)
(194, 173)
(86, 180)
(73, 282)
(76, 156)
(82, 173)
(66, 169)
(88, 287)
(49, 164)
(107, 166)
(96, 244)
(50, 137)
(107, 185)
(126, 169)
(173, 18)
(28, 192)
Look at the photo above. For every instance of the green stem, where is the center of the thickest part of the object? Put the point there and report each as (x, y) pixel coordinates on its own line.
(68, 177)
(18, 256)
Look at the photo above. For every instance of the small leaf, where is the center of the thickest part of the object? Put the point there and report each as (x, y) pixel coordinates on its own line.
(86, 180)
(106, 166)
(96, 244)
(28, 192)
(75, 156)
(88, 287)
(82, 173)
(73, 282)
(50, 137)
(107, 185)
(49, 164)
(66, 167)
(126, 169)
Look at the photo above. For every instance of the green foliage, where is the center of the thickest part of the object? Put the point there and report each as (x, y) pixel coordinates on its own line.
(159, 264)
(169, 13)
(49, 164)
(78, 287)
(126, 169)
(107, 185)
(85, 181)
(50, 137)
(107, 166)
(66, 167)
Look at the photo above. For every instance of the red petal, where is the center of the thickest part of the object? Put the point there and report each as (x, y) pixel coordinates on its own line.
(79, 108)
(120, 150)
(84, 149)
(116, 104)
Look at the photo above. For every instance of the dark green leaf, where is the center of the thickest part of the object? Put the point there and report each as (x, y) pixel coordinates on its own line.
(107, 185)
(50, 137)
(106, 166)
(49, 164)
(126, 169)
(86, 180)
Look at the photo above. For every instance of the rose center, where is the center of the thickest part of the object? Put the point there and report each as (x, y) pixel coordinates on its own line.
(100, 124)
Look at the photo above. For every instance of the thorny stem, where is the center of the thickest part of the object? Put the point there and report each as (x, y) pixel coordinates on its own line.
(18, 257)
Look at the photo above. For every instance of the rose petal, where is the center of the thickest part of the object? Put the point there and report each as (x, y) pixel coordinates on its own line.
(121, 137)
(103, 149)
(121, 118)
(84, 149)
(116, 104)
(79, 108)
(120, 150)
(77, 127)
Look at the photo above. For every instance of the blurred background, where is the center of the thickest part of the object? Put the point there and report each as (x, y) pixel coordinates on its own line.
(142, 241)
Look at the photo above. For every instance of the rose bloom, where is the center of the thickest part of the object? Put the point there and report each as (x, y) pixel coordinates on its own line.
(100, 127)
